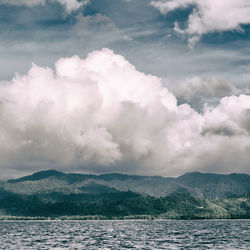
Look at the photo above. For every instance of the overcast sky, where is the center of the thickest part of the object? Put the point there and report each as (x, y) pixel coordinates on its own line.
(151, 87)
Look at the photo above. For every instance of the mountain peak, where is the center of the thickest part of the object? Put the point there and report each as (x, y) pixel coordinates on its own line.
(38, 176)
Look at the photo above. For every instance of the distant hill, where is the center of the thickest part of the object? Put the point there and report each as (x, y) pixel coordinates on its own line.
(192, 195)
(201, 185)
(211, 186)
(38, 176)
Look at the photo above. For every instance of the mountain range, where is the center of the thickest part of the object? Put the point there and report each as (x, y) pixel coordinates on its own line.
(193, 195)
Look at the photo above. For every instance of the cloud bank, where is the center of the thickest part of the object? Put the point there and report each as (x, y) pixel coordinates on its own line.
(70, 5)
(196, 91)
(101, 114)
(208, 16)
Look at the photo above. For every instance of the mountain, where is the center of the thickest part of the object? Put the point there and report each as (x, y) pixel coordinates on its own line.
(213, 186)
(192, 195)
(200, 185)
(38, 176)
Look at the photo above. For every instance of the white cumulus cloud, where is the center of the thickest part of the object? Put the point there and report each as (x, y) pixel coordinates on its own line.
(208, 16)
(101, 114)
(70, 5)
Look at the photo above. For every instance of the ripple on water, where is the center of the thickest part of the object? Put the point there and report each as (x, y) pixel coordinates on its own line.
(232, 234)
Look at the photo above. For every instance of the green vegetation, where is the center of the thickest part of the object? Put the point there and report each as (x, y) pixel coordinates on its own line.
(55, 195)
(123, 205)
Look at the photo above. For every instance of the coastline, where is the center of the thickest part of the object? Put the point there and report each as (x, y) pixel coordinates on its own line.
(103, 218)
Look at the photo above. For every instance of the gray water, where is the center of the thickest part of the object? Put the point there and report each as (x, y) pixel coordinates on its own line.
(226, 234)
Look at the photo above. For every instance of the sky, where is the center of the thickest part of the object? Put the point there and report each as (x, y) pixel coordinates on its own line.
(149, 87)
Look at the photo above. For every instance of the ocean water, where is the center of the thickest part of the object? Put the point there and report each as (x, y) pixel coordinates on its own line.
(214, 234)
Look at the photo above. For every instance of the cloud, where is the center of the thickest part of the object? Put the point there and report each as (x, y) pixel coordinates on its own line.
(29, 3)
(70, 5)
(44, 34)
(101, 114)
(208, 16)
(198, 91)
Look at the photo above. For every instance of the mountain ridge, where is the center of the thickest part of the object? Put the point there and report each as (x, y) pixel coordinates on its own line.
(51, 172)
(194, 195)
(202, 185)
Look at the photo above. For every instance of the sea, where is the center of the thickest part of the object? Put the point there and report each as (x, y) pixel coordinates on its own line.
(134, 234)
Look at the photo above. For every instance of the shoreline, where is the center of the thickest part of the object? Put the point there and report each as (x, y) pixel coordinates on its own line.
(49, 219)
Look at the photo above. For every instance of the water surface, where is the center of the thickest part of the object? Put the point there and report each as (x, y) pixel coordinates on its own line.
(226, 234)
